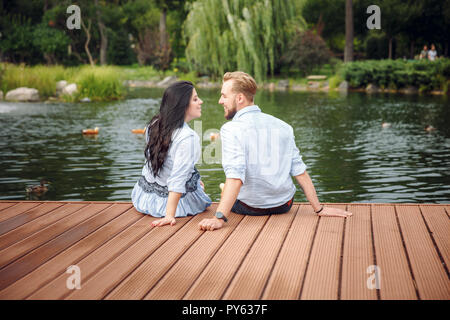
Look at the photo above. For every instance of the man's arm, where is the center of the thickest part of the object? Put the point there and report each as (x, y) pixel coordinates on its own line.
(229, 196)
(305, 182)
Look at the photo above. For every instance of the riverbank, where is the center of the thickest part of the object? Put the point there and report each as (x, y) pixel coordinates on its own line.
(105, 83)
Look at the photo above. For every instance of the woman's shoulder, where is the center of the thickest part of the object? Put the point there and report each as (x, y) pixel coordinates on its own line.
(185, 132)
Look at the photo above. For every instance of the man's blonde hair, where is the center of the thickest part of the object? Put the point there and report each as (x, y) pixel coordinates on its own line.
(243, 83)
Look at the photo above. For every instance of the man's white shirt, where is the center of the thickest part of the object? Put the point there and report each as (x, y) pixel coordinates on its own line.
(260, 150)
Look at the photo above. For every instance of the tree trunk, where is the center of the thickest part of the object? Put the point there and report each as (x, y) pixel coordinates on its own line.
(88, 38)
(49, 58)
(411, 50)
(103, 36)
(348, 52)
(162, 30)
(390, 48)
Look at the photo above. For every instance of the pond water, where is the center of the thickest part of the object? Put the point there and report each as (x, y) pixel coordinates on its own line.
(351, 157)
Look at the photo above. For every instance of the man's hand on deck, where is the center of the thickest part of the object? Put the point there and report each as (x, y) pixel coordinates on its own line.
(211, 224)
(334, 212)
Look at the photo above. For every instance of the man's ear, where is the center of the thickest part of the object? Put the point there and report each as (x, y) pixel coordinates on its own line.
(240, 97)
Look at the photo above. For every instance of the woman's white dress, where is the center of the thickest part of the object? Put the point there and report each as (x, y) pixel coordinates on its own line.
(178, 174)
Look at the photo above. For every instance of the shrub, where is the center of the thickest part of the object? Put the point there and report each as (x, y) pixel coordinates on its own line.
(334, 81)
(99, 83)
(376, 47)
(306, 51)
(399, 73)
(51, 42)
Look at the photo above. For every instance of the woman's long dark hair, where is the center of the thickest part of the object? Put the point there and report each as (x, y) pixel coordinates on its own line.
(175, 101)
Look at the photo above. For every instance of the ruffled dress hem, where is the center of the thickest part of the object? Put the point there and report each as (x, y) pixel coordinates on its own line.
(152, 204)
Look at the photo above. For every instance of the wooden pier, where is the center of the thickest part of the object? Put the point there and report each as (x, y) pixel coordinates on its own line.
(384, 251)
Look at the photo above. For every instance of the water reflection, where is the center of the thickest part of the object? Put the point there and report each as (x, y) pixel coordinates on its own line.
(350, 155)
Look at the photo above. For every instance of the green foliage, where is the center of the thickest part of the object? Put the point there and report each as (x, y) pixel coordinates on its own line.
(247, 35)
(39, 77)
(16, 37)
(97, 83)
(191, 76)
(50, 41)
(334, 81)
(120, 52)
(136, 72)
(425, 75)
(376, 46)
(306, 51)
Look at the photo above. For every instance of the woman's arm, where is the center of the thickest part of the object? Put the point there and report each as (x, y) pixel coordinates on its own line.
(183, 153)
(171, 208)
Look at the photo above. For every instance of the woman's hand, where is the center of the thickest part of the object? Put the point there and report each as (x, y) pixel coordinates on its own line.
(164, 221)
(334, 212)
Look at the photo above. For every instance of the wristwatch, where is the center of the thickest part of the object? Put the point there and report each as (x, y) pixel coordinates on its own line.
(220, 215)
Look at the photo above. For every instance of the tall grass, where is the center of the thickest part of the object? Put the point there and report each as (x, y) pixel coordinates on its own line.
(98, 83)
(136, 72)
(39, 77)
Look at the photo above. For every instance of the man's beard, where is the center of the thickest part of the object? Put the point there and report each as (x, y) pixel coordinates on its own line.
(232, 113)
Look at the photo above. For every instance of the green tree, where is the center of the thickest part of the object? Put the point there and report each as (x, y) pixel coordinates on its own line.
(51, 42)
(16, 37)
(248, 35)
(324, 13)
(306, 51)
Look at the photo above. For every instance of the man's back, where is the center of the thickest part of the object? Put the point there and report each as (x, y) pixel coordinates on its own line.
(260, 150)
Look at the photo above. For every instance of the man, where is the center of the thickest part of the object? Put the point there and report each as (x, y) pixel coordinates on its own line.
(259, 156)
(424, 53)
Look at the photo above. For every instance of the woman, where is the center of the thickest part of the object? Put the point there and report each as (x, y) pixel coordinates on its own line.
(170, 185)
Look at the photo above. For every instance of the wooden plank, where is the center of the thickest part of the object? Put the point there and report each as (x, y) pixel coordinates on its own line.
(137, 284)
(322, 274)
(175, 240)
(395, 278)
(57, 265)
(21, 248)
(254, 272)
(430, 276)
(42, 222)
(100, 258)
(211, 284)
(17, 209)
(30, 215)
(439, 224)
(287, 276)
(5, 205)
(357, 255)
(183, 273)
(34, 259)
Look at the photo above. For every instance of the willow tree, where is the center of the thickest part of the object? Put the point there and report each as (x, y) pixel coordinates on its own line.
(246, 35)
